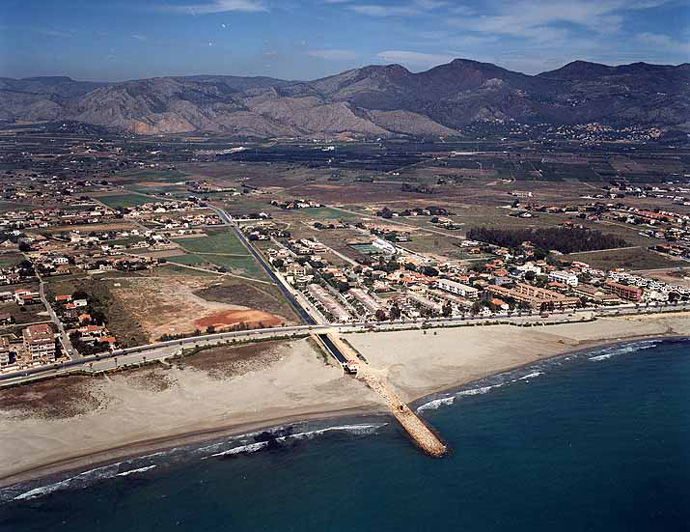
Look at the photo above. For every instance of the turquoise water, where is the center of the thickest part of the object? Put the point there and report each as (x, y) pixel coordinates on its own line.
(597, 441)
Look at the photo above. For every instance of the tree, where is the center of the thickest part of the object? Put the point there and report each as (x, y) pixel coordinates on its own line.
(380, 314)
(395, 312)
(429, 271)
(447, 309)
(24, 247)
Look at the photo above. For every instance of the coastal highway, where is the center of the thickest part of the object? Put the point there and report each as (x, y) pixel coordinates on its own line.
(163, 350)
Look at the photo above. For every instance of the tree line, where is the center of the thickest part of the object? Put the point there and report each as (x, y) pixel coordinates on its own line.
(563, 239)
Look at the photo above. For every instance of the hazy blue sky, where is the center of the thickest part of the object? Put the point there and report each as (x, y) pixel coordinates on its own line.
(303, 39)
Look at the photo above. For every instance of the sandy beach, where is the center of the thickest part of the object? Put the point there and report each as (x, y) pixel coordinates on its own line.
(76, 421)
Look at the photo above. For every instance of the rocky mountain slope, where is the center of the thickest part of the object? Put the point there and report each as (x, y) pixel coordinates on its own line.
(369, 101)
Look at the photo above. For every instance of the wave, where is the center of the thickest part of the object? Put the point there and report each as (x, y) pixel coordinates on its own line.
(610, 352)
(359, 430)
(436, 403)
(137, 470)
(281, 436)
(532, 375)
(79, 481)
(481, 390)
(243, 449)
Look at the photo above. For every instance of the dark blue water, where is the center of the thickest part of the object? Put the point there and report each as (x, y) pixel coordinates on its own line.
(592, 442)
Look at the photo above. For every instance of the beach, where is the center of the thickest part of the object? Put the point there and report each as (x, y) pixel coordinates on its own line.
(56, 426)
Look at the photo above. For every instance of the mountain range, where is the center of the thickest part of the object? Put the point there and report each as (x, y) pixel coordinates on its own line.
(366, 102)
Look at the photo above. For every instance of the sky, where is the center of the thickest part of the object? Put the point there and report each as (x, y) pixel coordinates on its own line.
(114, 40)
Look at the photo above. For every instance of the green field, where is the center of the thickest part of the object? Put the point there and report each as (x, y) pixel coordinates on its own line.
(222, 248)
(157, 189)
(170, 176)
(9, 260)
(218, 241)
(239, 265)
(126, 200)
(636, 258)
(8, 206)
(188, 260)
(326, 213)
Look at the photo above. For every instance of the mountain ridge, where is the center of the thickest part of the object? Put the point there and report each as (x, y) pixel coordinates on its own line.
(374, 100)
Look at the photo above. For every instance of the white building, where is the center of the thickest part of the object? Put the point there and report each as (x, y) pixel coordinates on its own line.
(564, 277)
(457, 288)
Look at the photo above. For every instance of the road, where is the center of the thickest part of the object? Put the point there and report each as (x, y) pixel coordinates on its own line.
(64, 337)
(162, 350)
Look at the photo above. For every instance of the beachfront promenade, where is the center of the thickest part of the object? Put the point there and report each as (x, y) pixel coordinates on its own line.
(136, 356)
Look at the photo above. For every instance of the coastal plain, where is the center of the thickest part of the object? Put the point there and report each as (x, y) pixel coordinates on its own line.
(232, 390)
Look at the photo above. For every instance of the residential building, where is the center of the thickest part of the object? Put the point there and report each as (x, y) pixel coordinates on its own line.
(630, 293)
(534, 296)
(5, 356)
(564, 277)
(39, 342)
(457, 288)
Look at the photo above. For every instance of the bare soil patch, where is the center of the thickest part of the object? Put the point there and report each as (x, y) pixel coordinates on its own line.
(224, 361)
(251, 295)
(58, 398)
(173, 306)
(230, 318)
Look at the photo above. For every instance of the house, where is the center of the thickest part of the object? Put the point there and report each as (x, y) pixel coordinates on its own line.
(39, 342)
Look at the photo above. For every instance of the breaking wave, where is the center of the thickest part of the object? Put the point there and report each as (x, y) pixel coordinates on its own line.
(610, 352)
(137, 470)
(248, 444)
(284, 435)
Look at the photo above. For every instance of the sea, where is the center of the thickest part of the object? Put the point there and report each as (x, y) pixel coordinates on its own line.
(585, 442)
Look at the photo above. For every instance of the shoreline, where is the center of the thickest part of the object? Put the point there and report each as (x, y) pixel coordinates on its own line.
(168, 442)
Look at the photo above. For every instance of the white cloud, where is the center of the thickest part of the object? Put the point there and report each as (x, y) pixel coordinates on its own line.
(532, 18)
(664, 42)
(413, 8)
(333, 55)
(221, 6)
(414, 59)
(377, 10)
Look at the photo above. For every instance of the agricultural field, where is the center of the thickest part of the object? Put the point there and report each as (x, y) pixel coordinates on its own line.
(25, 314)
(116, 201)
(158, 176)
(634, 258)
(220, 248)
(325, 213)
(8, 260)
(221, 241)
(8, 206)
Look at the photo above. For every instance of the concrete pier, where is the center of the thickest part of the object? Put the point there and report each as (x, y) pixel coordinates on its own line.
(420, 434)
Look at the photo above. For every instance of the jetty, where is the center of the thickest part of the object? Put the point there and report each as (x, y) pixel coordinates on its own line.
(418, 431)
